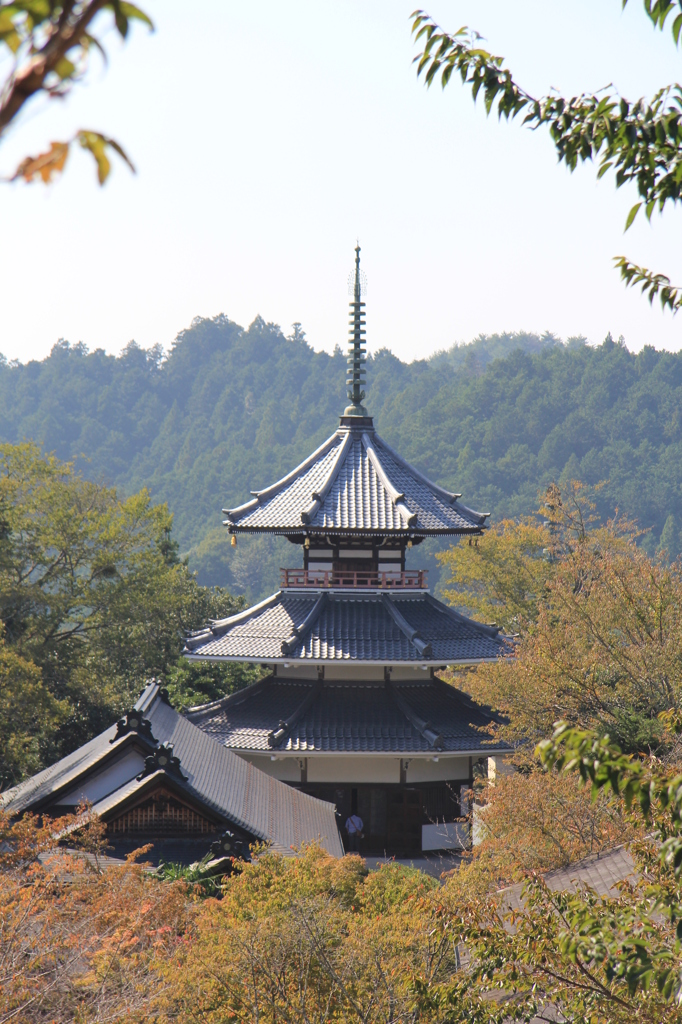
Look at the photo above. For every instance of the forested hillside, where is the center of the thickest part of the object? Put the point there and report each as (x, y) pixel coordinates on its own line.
(231, 409)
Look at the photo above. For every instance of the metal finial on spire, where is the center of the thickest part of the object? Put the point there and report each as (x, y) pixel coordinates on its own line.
(356, 352)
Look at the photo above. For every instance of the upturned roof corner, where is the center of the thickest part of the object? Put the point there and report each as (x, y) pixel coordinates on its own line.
(355, 483)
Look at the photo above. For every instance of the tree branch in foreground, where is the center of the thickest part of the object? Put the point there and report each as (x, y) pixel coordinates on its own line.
(652, 284)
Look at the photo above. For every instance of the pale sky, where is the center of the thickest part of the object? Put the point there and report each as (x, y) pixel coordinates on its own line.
(268, 136)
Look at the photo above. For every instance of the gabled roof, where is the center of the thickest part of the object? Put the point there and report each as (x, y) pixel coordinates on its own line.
(304, 717)
(355, 482)
(368, 627)
(226, 785)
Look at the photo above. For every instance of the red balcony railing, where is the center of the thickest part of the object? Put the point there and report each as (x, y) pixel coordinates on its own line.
(411, 579)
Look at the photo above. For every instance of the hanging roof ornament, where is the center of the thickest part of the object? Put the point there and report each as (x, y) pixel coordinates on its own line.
(356, 352)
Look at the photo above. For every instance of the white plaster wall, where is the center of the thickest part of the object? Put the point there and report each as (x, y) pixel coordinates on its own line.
(356, 768)
(349, 672)
(353, 768)
(346, 670)
(404, 673)
(105, 782)
(297, 672)
(286, 769)
(427, 770)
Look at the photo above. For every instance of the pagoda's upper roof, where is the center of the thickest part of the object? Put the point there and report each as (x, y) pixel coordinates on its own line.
(374, 628)
(355, 483)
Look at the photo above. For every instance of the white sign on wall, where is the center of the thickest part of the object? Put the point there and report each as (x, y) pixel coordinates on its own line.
(452, 835)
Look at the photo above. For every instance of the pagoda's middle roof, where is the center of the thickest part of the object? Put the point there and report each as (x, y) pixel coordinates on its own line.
(374, 627)
(355, 482)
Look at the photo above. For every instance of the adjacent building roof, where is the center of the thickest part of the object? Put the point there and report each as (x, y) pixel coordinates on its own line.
(601, 872)
(355, 483)
(208, 773)
(370, 627)
(301, 716)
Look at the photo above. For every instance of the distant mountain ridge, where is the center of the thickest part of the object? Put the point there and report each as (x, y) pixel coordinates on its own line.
(231, 409)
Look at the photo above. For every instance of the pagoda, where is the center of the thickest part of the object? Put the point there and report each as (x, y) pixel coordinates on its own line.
(350, 708)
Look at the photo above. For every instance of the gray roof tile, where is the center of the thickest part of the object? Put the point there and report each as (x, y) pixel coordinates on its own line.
(345, 717)
(356, 496)
(234, 789)
(349, 627)
(601, 872)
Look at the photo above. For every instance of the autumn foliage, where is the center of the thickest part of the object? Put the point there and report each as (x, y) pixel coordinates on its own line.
(306, 938)
(316, 939)
(310, 938)
(598, 624)
(537, 821)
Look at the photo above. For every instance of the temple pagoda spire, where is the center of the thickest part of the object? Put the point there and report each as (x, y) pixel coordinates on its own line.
(356, 351)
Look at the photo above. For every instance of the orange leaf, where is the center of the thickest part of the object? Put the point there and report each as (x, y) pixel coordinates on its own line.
(45, 164)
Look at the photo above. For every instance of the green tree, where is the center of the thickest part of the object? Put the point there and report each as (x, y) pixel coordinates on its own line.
(502, 576)
(670, 538)
(29, 716)
(615, 958)
(93, 598)
(188, 428)
(638, 142)
(543, 955)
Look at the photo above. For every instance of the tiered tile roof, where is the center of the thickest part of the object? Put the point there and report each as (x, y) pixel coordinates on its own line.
(303, 716)
(371, 627)
(355, 483)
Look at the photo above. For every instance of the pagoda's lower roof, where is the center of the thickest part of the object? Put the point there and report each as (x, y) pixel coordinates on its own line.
(307, 717)
(370, 628)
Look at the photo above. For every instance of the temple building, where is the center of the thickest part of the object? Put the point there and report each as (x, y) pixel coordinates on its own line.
(154, 778)
(350, 709)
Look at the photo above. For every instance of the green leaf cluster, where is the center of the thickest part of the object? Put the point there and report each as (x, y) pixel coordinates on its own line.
(93, 602)
(640, 141)
(655, 791)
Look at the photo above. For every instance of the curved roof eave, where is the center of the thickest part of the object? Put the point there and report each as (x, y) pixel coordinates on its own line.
(334, 484)
(359, 627)
(408, 663)
(345, 531)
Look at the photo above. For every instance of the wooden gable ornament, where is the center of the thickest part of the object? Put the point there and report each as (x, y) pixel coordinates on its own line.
(133, 721)
(162, 759)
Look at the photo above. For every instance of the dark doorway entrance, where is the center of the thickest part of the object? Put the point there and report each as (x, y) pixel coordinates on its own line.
(405, 821)
(392, 816)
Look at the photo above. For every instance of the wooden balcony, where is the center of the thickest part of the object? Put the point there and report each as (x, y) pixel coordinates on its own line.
(411, 579)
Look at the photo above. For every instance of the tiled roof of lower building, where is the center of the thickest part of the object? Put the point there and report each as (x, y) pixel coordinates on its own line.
(601, 872)
(310, 717)
(227, 785)
(365, 627)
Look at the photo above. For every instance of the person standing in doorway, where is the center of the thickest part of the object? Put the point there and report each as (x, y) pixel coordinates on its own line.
(354, 826)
